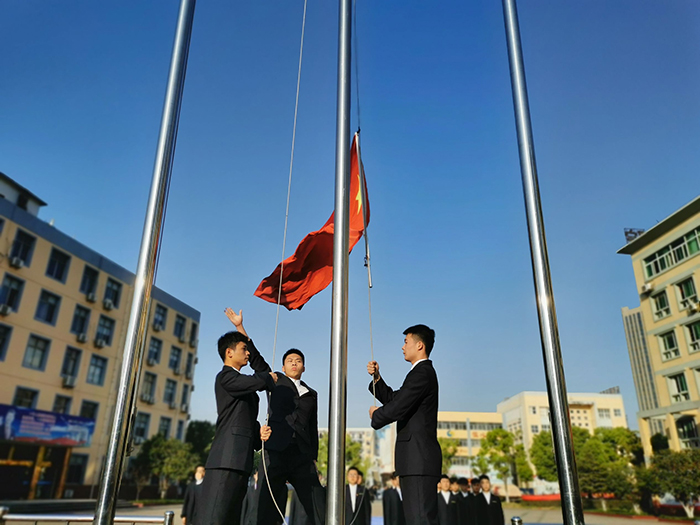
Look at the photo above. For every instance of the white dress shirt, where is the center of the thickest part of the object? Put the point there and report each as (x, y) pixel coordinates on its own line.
(400, 495)
(464, 494)
(446, 495)
(419, 361)
(487, 495)
(300, 388)
(353, 495)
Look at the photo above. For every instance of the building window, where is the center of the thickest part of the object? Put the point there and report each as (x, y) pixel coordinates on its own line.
(23, 247)
(160, 317)
(154, 350)
(88, 409)
(113, 292)
(164, 427)
(77, 466)
(88, 283)
(81, 320)
(47, 309)
(533, 410)
(604, 413)
(185, 395)
(149, 386)
(535, 429)
(105, 329)
(97, 370)
(5, 334)
(180, 430)
(141, 424)
(678, 388)
(11, 291)
(661, 307)
(617, 412)
(71, 362)
(546, 428)
(672, 254)
(193, 335)
(36, 353)
(175, 357)
(687, 292)
(189, 367)
(180, 328)
(694, 336)
(58, 265)
(688, 432)
(61, 404)
(669, 346)
(170, 391)
(25, 397)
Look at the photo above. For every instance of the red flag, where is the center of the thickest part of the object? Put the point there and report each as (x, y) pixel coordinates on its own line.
(310, 269)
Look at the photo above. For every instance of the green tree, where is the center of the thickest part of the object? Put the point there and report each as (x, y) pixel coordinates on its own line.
(659, 442)
(499, 446)
(170, 460)
(480, 463)
(140, 466)
(594, 460)
(677, 473)
(353, 455)
(448, 446)
(522, 466)
(625, 442)
(542, 452)
(200, 434)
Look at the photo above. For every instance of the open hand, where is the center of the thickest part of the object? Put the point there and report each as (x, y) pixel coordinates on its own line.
(265, 432)
(373, 370)
(235, 318)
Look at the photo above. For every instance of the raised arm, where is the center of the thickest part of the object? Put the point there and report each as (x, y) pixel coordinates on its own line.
(257, 361)
(239, 385)
(403, 401)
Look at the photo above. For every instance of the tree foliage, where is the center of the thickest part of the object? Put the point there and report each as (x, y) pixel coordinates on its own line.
(499, 446)
(677, 473)
(448, 446)
(200, 434)
(522, 466)
(168, 459)
(659, 442)
(480, 463)
(353, 455)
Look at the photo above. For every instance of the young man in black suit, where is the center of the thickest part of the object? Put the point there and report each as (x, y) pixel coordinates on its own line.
(463, 497)
(414, 407)
(292, 449)
(193, 493)
(238, 433)
(249, 513)
(392, 504)
(358, 507)
(448, 504)
(488, 506)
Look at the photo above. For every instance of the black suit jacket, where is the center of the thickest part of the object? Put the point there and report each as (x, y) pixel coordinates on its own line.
(393, 508)
(464, 500)
(293, 418)
(249, 510)
(193, 493)
(448, 512)
(237, 428)
(363, 508)
(414, 407)
(489, 513)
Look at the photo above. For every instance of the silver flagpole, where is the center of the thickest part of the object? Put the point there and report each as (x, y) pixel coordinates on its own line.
(335, 510)
(148, 255)
(572, 509)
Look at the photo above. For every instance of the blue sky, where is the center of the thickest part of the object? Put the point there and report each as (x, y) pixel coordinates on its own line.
(616, 118)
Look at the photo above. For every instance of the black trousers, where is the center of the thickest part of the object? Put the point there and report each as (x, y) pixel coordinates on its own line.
(290, 465)
(420, 499)
(223, 491)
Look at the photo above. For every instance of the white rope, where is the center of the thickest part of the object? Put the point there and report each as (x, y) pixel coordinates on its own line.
(284, 248)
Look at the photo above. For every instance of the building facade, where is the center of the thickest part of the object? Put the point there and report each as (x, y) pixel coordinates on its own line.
(469, 428)
(666, 272)
(64, 310)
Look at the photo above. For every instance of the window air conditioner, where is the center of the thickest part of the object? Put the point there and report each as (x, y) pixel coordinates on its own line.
(99, 343)
(647, 288)
(181, 338)
(108, 304)
(151, 361)
(82, 338)
(5, 309)
(177, 371)
(69, 381)
(91, 297)
(157, 327)
(16, 262)
(173, 404)
(184, 407)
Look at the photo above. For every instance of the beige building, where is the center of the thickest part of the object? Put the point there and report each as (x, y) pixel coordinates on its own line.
(469, 428)
(663, 333)
(527, 413)
(64, 310)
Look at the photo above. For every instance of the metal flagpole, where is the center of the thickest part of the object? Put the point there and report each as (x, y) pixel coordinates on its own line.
(148, 256)
(335, 510)
(549, 333)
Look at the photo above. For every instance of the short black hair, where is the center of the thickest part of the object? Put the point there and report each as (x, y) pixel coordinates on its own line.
(359, 472)
(453, 479)
(444, 476)
(463, 481)
(393, 475)
(229, 340)
(484, 477)
(475, 481)
(294, 351)
(424, 334)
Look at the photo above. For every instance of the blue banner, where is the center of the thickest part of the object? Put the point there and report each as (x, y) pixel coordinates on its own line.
(25, 425)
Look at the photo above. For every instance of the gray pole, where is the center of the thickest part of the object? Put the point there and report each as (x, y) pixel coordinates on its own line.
(335, 510)
(148, 255)
(572, 509)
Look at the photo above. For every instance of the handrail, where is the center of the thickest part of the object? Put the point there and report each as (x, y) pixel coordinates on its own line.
(166, 519)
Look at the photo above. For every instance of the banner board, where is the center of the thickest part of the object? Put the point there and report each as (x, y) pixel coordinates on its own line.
(38, 427)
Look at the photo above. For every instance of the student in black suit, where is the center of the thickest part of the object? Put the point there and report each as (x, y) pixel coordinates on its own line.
(249, 512)
(297, 514)
(463, 497)
(292, 449)
(417, 455)
(448, 505)
(238, 432)
(488, 506)
(391, 502)
(358, 509)
(193, 493)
